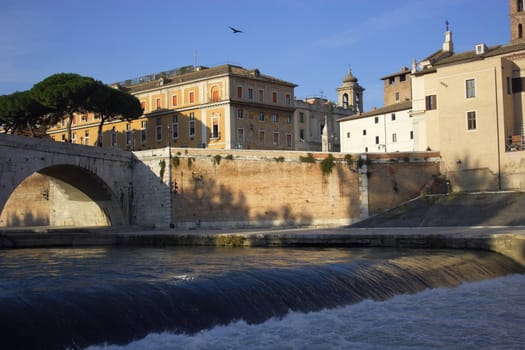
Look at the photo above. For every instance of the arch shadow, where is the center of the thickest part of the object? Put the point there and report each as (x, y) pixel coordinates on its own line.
(62, 195)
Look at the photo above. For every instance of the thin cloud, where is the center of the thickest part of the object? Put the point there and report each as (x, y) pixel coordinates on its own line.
(380, 23)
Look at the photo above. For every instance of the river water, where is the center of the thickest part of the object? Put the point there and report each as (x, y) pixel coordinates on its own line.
(259, 298)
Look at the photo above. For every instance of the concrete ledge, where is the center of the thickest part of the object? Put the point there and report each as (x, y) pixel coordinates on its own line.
(508, 241)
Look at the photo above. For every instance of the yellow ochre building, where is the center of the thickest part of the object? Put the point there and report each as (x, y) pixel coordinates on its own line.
(223, 107)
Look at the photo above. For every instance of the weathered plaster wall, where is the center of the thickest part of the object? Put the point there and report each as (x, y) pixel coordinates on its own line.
(261, 188)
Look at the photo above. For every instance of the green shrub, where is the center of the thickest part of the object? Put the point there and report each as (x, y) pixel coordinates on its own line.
(327, 164)
(308, 159)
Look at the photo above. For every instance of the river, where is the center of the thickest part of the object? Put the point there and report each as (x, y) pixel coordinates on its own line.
(259, 298)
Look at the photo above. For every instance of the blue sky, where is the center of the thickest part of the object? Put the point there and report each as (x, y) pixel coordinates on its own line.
(309, 43)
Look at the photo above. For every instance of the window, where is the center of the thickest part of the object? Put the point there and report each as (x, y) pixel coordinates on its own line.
(276, 139)
(471, 120)
(275, 118)
(215, 128)
(239, 91)
(274, 97)
(301, 117)
(157, 103)
(411, 135)
(301, 135)
(192, 97)
(393, 116)
(143, 125)
(403, 77)
(250, 93)
(397, 96)
(174, 100)
(509, 86)
(143, 105)
(261, 116)
(471, 88)
(394, 137)
(215, 94)
(175, 130)
(392, 80)
(345, 101)
(240, 113)
(128, 134)
(520, 31)
(261, 137)
(517, 85)
(261, 95)
(321, 127)
(288, 99)
(348, 135)
(288, 140)
(158, 129)
(364, 132)
(86, 137)
(113, 137)
(376, 120)
(289, 119)
(191, 125)
(377, 140)
(520, 5)
(240, 135)
(430, 102)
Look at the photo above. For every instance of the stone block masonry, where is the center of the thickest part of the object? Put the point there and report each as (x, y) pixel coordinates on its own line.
(204, 188)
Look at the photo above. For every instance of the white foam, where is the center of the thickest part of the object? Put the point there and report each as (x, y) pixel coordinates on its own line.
(482, 315)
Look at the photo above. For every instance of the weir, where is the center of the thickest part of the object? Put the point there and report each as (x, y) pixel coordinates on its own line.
(93, 299)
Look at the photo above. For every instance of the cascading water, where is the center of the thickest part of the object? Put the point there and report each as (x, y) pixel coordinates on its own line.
(73, 298)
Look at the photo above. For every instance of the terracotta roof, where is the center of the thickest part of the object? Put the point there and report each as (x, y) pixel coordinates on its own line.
(403, 71)
(378, 111)
(470, 56)
(204, 73)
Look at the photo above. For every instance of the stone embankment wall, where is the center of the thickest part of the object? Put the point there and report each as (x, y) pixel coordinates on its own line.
(241, 188)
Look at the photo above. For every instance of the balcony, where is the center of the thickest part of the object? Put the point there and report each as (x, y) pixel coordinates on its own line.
(515, 143)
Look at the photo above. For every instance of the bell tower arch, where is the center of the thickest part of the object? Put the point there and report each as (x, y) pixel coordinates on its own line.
(350, 94)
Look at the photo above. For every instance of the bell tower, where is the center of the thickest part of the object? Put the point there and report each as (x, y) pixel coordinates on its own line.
(517, 21)
(350, 94)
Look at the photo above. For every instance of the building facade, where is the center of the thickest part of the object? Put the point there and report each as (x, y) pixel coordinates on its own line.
(385, 129)
(469, 106)
(224, 107)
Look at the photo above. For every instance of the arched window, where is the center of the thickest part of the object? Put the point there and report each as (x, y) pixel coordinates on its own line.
(345, 101)
(520, 31)
(215, 94)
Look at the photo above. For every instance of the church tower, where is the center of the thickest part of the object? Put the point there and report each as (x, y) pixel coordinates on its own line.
(350, 94)
(517, 21)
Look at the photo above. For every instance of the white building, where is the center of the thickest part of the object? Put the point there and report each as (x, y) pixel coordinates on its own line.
(386, 129)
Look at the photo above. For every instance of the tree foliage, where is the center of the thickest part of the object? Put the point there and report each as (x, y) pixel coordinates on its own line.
(59, 97)
(65, 94)
(19, 111)
(111, 104)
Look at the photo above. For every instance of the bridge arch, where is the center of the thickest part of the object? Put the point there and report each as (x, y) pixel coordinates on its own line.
(62, 195)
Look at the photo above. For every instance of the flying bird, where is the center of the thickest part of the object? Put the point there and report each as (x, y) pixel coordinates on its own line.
(235, 30)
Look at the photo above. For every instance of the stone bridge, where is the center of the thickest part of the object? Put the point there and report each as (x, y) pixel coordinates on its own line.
(48, 183)
(55, 184)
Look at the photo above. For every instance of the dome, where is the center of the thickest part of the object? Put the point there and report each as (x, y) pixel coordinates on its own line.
(350, 77)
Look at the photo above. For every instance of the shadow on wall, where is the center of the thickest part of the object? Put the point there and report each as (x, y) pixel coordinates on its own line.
(25, 218)
(398, 181)
(199, 199)
(466, 174)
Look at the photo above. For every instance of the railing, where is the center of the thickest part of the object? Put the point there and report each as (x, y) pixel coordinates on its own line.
(515, 143)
